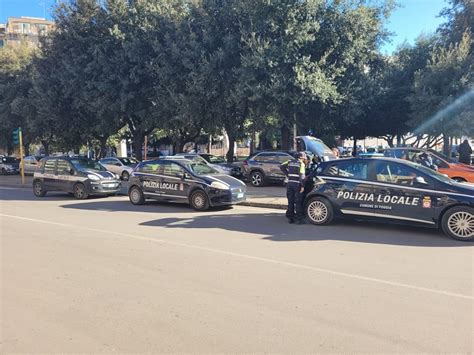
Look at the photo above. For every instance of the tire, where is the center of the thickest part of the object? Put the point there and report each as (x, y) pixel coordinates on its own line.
(257, 178)
(199, 201)
(459, 179)
(80, 192)
(319, 211)
(38, 189)
(135, 194)
(458, 223)
(125, 176)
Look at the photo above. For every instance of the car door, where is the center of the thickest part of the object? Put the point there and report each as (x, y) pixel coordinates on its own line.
(65, 180)
(348, 186)
(150, 178)
(49, 175)
(174, 185)
(403, 192)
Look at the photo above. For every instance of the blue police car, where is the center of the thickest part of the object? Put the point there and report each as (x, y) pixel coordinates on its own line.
(177, 179)
(390, 190)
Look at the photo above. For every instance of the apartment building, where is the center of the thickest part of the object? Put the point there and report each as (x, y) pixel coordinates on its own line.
(24, 29)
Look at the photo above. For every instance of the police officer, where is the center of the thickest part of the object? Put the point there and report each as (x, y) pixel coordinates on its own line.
(295, 171)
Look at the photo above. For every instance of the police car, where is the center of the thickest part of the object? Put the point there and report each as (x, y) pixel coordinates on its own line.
(387, 189)
(183, 180)
(76, 175)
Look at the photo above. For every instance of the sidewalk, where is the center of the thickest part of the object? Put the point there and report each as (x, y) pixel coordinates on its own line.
(266, 197)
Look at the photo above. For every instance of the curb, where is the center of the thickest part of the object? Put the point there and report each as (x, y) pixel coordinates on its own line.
(277, 206)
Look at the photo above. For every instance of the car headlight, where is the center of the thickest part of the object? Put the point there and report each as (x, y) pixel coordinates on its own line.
(93, 177)
(219, 185)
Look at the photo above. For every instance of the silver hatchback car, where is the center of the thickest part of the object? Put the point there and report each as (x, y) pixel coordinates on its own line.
(120, 166)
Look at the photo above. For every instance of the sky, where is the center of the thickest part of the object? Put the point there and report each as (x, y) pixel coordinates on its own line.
(407, 22)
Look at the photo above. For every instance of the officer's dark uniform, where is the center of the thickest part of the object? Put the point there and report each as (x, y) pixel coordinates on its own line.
(295, 171)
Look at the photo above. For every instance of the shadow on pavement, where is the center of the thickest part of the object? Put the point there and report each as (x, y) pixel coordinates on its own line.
(273, 227)
(126, 206)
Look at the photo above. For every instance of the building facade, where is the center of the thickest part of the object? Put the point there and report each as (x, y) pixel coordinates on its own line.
(24, 29)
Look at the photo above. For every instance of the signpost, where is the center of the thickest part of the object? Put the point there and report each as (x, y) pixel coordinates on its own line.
(18, 140)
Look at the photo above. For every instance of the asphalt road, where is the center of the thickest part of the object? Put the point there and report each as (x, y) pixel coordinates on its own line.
(102, 275)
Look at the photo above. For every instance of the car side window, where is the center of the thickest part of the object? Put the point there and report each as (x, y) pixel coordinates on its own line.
(263, 158)
(49, 166)
(393, 173)
(283, 158)
(173, 170)
(353, 170)
(63, 167)
(150, 168)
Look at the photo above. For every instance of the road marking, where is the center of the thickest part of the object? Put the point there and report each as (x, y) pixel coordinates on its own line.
(251, 257)
(11, 188)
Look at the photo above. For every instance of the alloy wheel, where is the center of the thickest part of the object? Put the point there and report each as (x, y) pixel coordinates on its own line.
(317, 211)
(461, 224)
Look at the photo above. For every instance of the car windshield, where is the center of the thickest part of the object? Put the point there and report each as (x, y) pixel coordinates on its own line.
(202, 169)
(316, 146)
(214, 160)
(442, 156)
(128, 161)
(432, 173)
(8, 160)
(85, 164)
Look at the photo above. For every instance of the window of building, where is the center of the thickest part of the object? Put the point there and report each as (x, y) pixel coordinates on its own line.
(25, 28)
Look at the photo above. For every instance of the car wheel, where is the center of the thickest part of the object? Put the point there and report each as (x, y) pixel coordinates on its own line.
(459, 179)
(319, 211)
(199, 201)
(80, 192)
(257, 179)
(125, 176)
(136, 196)
(38, 189)
(458, 223)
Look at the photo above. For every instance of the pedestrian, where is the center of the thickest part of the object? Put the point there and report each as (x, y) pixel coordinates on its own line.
(295, 172)
(465, 152)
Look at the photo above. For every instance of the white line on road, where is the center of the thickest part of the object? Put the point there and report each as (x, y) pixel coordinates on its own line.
(250, 257)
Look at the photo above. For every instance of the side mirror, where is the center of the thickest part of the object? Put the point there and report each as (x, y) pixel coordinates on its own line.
(419, 180)
(71, 171)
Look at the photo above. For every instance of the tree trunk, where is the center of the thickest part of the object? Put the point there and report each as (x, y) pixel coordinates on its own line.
(446, 146)
(285, 138)
(354, 148)
(137, 144)
(103, 147)
(45, 145)
(252, 143)
(230, 152)
(389, 140)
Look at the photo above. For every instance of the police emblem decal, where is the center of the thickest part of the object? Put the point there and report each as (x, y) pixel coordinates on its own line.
(426, 202)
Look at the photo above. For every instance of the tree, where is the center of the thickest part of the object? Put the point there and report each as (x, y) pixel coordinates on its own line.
(443, 96)
(15, 83)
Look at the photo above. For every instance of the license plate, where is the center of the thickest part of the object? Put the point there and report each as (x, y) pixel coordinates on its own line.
(110, 185)
(240, 195)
